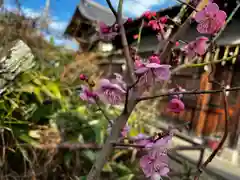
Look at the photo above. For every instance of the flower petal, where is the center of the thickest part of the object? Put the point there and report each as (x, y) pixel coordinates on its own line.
(211, 8)
(221, 16)
(145, 164)
(200, 16)
(141, 70)
(164, 171)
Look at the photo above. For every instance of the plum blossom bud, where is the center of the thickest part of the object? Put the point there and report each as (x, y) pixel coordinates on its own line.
(154, 59)
(107, 33)
(176, 105)
(135, 36)
(129, 20)
(156, 25)
(149, 14)
(177, 43)
(82, 77)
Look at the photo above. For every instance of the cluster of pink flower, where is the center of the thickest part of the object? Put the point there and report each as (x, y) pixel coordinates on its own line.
(107, 33)
(158, 24)
(113, 91)
(210, 20)
(151, 71)
(155, 163)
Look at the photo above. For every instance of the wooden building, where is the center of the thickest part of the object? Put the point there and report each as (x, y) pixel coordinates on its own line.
(205, 112)
(82, 28)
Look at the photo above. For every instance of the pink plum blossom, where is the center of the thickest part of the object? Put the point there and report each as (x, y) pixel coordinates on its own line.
(107, 33)
(155, 71)
(155, 163)
(149, 14)
(176, 105)
(119, 80)
(87, 95)
(210, 20)
(154, 59)
(148, 73)
(197, 47)
(138, 63)
(162, 143)
(129, 20)
(156, 25)
(163, 19)
(110, 92)
(159, 71)
(145, 78)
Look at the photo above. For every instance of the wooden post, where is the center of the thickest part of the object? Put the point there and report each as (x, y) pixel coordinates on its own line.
(202, 101)
(215, 118)
(235, 125)
(200, 117)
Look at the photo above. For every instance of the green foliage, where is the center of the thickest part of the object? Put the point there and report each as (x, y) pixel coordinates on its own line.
(36, 104)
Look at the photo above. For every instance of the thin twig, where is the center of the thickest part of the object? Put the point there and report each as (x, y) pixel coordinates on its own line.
(210, 62)
(220, 145)
(121, 121)
(187, 92)
(187, 148)
(139, 35)
(169, 44)
(129, 61)
(103, 112)
(112, 8)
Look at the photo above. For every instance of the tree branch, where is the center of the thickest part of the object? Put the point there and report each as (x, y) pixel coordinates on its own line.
(112, 8)
(129, 61)
(169, 44)
(220, 145)
(187, 92)
(210, 62)
(123, 118)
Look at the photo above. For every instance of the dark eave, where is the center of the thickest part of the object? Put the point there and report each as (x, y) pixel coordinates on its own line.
(132, 28)
(89, 12)
(96, 12)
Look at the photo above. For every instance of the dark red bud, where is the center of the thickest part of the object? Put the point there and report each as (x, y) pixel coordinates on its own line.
(82, 77)
(129, 20)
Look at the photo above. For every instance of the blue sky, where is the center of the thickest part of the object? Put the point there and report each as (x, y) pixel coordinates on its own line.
(61, 12)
